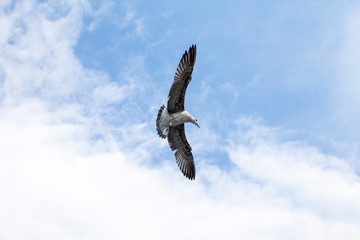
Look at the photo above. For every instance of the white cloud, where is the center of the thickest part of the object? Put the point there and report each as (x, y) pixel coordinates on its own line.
(306, 178)
(58, 180)
(60, 185)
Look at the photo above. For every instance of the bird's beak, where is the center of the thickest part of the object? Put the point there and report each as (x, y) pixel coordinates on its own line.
(197, 124)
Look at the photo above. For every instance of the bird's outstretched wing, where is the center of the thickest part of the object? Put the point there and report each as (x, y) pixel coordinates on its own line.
(184, 158)
(182, 78)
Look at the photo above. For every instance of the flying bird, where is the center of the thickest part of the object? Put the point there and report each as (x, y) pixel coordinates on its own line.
(170, 120)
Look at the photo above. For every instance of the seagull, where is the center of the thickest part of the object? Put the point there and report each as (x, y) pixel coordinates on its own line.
(170, 120)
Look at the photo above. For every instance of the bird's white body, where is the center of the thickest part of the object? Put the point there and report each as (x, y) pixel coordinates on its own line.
(174, 119)
(178, 118)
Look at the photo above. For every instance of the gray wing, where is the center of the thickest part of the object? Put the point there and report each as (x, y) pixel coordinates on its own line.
(182, 78)
(184, 158)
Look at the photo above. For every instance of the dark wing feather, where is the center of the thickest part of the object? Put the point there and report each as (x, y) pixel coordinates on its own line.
(184, 158)
(182, 78)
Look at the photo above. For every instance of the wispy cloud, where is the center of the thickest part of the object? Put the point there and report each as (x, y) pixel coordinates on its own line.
(99, 13)
(133, 23)
(347, 84)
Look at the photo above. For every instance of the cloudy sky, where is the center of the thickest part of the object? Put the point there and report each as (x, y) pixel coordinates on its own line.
(275, 91)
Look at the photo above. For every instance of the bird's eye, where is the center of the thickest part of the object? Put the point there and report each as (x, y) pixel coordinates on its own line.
(195, 120)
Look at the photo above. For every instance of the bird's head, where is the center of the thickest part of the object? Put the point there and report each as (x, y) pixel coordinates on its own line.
(194, 121)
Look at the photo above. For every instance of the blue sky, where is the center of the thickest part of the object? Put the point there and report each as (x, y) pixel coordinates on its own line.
(274, 89)
(273, 60)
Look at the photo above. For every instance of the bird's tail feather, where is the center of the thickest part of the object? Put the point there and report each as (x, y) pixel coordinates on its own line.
(159, 127)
